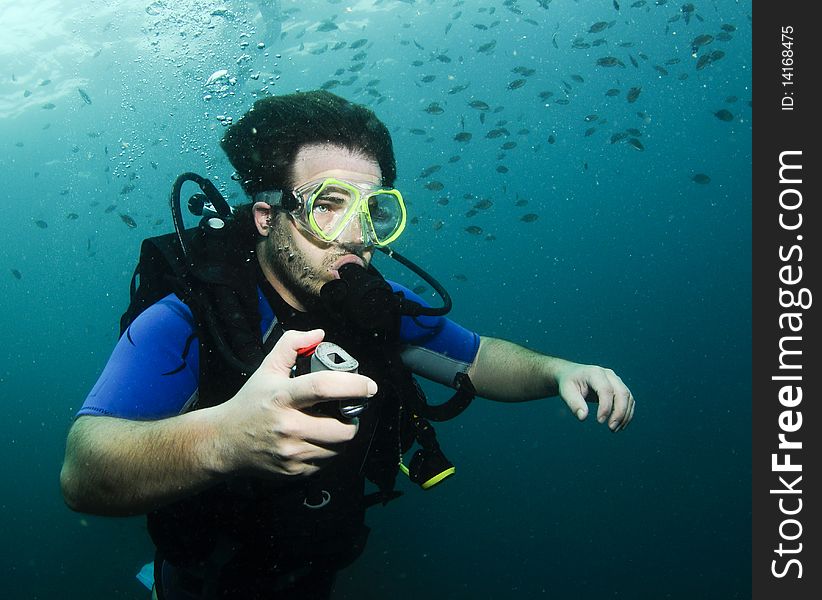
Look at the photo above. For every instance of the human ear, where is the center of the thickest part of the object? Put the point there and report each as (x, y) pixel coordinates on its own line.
(262, 217)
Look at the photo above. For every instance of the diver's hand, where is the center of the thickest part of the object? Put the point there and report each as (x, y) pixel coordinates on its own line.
(579, 384)
(263, 428)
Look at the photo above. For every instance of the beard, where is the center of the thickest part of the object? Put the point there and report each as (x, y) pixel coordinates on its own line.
(292, 267)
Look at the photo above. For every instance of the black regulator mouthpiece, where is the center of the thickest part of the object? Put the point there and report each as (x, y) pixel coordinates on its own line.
(363, 300)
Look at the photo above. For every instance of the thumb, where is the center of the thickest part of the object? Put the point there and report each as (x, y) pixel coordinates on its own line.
(284, 354)
(574, 399)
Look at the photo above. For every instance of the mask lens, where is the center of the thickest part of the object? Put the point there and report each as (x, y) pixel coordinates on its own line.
(386, 215)
(329, 209)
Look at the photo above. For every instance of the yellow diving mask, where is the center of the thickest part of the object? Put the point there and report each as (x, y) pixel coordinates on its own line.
(343, 211)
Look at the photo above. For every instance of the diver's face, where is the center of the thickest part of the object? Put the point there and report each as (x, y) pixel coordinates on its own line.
(296, 262)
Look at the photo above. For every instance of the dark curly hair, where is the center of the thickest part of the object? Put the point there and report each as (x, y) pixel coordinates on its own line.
(263, 143)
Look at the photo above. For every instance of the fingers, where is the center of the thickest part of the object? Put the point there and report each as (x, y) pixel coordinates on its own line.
(576, 402)
(301, 443)
(595, 384)
(308, 390)
(319, 430)
(616, 402)
(284, 354)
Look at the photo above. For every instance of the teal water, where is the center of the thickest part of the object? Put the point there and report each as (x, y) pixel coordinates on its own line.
(629, 262)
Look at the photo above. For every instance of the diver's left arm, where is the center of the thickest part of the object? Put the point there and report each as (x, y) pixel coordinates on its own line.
(507, 372)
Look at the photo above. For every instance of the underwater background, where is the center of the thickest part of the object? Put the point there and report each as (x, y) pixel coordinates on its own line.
(599, 210)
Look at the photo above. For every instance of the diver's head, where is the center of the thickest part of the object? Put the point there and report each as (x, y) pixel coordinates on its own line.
(296, 260)
(285, 151)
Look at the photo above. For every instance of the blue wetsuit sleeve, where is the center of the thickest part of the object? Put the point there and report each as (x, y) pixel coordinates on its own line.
(435, 347)
(154, 368)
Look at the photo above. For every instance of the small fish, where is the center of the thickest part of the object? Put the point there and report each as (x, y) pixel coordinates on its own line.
(327, 26)
(524, 71)
(487, 47)
(577, 78)
(443, 201)
(521, 202)
(724, 115)
(434, 109)
(616, 5)
(552, 139)
(618, 137)
(701, 179)
(479, 105)
(598, 26)
(463, 136)
(633, 94)
(661, 70)
(428, 78)
(612, 92)
(516, 84)
(502, 169)
(509, 145)
(609, 61)
(454, 159)
(72, 216)
(590, 131)
(419, 289)
(484, 204)
(110, 208)
(474, 229)
(458, 88)
(128, 220)
(471, 213)
(49, 106)
(529, 218)
(26, 93)
(17, 274)
(703, 62)
(417, 131)
(362, 42)
(434, 186)
(728, 28)
(44, 82)
(41, 224)
(699, 41)
(635, 143)
(590, 118)
(460, 276)
(86, 98)
(429, 171)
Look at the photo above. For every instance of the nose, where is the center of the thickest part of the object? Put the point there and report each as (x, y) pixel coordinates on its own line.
(354, 232)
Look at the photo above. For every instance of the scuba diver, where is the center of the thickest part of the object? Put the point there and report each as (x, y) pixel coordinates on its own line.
(265, 369)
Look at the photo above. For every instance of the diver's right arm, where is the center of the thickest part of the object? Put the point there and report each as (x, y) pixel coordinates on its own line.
(122, 467)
